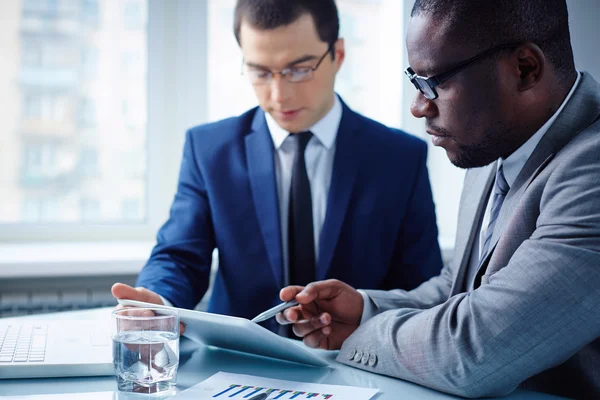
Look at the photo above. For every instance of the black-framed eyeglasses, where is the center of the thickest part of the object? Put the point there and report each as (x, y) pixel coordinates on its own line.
(427, 85)
(260, 76)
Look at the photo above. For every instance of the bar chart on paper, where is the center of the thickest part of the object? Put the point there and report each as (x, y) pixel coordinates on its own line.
(245, 392)
(239, 387)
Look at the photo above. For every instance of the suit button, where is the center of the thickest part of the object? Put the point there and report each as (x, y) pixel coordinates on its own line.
(372, 360)
(365, 358)
(351, 354)
(358, 356)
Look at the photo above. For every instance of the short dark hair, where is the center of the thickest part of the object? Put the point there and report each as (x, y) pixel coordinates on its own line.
(271, 14)
(488, 23)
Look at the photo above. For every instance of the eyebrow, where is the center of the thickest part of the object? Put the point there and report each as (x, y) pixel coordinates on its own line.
(427, 72)
(291, 64)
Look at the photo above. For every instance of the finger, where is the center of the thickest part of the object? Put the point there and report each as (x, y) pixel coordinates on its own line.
(320, 290)
(306, 311)
(181, 328)
(318, 338)
(306, 327)
(289, 316)
(282, 320)
(289, 293)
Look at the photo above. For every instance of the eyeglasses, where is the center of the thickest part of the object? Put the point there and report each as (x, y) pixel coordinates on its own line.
(427, 85)
(259, 76)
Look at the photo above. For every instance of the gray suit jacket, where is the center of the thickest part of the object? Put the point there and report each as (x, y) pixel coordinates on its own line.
(534, 318)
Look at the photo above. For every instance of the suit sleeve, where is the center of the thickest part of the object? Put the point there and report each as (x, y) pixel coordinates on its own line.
(417, 255)
(179, 266)
(535, 313)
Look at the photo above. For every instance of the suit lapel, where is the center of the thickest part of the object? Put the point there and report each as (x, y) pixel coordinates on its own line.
(261, 173)
(345, 166)
(505, 214)
(536, 162)
(478, 183)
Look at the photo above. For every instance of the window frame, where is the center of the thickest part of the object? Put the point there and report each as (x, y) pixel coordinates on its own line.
(176, 84)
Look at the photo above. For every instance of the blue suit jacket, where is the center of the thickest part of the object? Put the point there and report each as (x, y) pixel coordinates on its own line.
(379, 229)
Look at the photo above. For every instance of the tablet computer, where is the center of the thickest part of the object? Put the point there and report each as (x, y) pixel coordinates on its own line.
(238, 334)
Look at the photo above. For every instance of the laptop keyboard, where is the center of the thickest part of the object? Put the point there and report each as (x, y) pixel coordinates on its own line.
(21, 343)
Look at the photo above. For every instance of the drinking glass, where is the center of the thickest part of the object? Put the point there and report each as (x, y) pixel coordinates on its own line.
(145, 349)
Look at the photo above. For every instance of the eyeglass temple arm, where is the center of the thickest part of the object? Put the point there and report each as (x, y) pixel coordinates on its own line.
(439, 79)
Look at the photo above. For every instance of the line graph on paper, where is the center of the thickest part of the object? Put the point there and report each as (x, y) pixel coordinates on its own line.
(236, 391)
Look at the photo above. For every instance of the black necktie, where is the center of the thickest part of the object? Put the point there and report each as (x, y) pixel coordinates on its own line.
(300, 224)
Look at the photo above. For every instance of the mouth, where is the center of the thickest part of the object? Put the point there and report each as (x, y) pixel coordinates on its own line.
(437, 138)
(288, 114)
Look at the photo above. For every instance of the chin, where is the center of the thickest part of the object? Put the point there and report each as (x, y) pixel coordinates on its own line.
(291, 126)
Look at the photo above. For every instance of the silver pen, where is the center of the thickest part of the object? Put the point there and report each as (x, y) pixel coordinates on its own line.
(274, 311)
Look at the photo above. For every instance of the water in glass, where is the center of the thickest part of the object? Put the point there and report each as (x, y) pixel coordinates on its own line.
(146, 361)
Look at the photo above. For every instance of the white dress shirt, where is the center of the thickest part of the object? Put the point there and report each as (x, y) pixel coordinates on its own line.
(318, 157)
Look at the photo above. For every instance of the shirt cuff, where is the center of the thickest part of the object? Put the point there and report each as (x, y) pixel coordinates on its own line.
(369, 308)
(165, 301)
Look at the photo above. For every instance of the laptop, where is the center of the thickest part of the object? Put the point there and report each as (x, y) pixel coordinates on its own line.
(54, 348)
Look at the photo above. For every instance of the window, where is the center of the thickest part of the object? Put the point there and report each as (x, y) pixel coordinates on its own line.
(88, 162)
(43, 209)
(89, 62)
(44, 106)
(40, 6)
(39, 163)
(90, 12)
(131, 210)
(90, 210)
(61, 90)
(87, 112)
(133, 15)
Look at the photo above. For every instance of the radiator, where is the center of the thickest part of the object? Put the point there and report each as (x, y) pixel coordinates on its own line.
(43, 295)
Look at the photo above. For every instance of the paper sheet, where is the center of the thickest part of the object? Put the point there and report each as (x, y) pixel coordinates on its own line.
(224, 385)
(65, 396)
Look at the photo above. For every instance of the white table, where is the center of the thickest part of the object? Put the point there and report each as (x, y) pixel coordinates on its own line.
(199, 362)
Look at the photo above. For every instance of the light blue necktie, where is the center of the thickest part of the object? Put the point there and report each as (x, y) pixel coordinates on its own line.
(500, 189)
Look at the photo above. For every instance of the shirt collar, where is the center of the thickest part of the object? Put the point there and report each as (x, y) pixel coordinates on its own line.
(325, 130)
(513, 164)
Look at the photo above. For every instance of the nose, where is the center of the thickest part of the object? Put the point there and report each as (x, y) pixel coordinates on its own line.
(423, 107)
(280, 89)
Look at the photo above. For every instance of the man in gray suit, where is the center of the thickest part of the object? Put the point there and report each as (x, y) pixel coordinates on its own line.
(519, 304)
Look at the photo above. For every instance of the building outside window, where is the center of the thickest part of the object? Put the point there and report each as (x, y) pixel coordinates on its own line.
(63, 60)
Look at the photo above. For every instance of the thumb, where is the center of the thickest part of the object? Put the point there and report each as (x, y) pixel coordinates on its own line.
(320, 290)
(289, 293)
(123, 291)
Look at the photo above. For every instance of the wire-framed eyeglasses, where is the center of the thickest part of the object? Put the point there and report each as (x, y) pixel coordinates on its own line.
(427, 85)
(259, 76)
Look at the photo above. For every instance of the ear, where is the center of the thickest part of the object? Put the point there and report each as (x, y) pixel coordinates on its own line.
(340, 53)
(531, 65)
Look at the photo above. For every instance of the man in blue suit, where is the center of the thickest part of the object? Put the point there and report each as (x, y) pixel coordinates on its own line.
(298, 190)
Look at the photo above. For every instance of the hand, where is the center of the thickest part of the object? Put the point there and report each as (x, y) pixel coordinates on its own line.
(123, 291)
(328, 313)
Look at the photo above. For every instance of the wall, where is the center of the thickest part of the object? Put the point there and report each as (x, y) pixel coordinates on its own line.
(585, 32)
